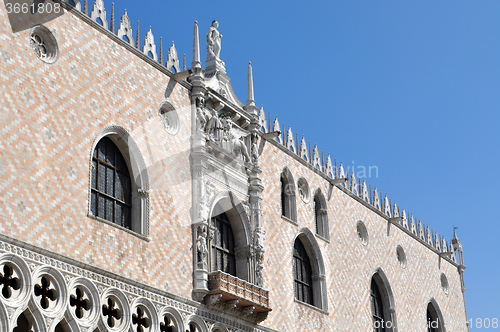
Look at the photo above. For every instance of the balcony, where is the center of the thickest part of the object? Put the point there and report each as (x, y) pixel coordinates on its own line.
(231, 293)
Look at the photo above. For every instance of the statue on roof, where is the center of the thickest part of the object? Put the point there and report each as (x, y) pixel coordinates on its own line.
(213, 41)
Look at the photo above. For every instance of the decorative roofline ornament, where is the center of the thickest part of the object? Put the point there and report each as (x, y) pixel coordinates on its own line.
(172, 59)
(149, 45)
(354, 184)
(98, 11)
(125, 29)
(316, 161)
(290, 143)
(262, 120)
(276, 128)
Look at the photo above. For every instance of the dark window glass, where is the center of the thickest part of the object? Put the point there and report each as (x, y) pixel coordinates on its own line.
(317, 206)
(223, 258)
(111, 195)
(433, 323)
(377, 308)
(302, 273)
(283, 196)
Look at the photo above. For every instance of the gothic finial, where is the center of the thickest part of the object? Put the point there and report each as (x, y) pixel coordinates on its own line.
(329, 167)
(137, 37)
(303, 149)
(85, 7)
(196, 47)
(125, 29)
(112, 24)
(184, 63)
(149, 45)
(161, 50)
(172, 59)
(99, 12)
(316, 162)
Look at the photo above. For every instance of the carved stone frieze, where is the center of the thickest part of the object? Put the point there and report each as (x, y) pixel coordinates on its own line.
(106, 282)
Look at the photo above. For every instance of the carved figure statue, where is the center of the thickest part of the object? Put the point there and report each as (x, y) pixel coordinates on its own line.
(255, 149)
(201, 247)
(215, 128)
(213, 41)
(201, 115)
(260, 274)
(259, 238)
(233, 134)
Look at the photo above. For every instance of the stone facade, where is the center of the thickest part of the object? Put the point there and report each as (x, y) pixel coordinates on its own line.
(193, 150)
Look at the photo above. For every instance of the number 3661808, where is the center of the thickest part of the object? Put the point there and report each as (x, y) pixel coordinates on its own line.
(33, 7)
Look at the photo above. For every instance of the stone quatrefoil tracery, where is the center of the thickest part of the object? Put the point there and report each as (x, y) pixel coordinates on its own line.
(112, 312)
(80, 302)
(38, 46)
(43, 289)
(166, 325)
(141, 320)
(8, 281)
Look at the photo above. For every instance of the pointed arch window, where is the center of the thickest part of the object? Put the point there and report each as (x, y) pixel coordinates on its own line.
(302, 274)
(111, 189)
(223, 254)
(434, 324)
(377, 307)
(287, 195)
(382, 304)
(321, 215)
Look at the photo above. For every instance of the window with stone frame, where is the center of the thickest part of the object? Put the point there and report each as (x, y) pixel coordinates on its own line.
(302, 274)
(433, 323)
(377, 307)
(223, 255)
(321, 216)
(288, 205)
(111, 193)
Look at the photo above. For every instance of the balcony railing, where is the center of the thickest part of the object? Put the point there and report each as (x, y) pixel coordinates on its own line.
(233, 288)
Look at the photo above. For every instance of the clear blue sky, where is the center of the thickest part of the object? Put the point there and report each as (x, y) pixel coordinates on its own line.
(410, 87)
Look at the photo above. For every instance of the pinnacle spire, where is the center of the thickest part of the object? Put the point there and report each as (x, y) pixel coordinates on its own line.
(196, 47)
(250, 97)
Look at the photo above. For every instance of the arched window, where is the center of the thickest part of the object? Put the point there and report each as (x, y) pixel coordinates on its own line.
(321, 215)
(111, 196)
(288, 195)
(119, 181)
(382, 304)
(434, 319)
(302, 274)
(377, 307)
(223, 256)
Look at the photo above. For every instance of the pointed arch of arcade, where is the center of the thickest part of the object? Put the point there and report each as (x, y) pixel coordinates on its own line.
(229, 204)
(31, 316)
(197, 322)
(318, 278)
(381, 284)
(434, 312)
(288, 200)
